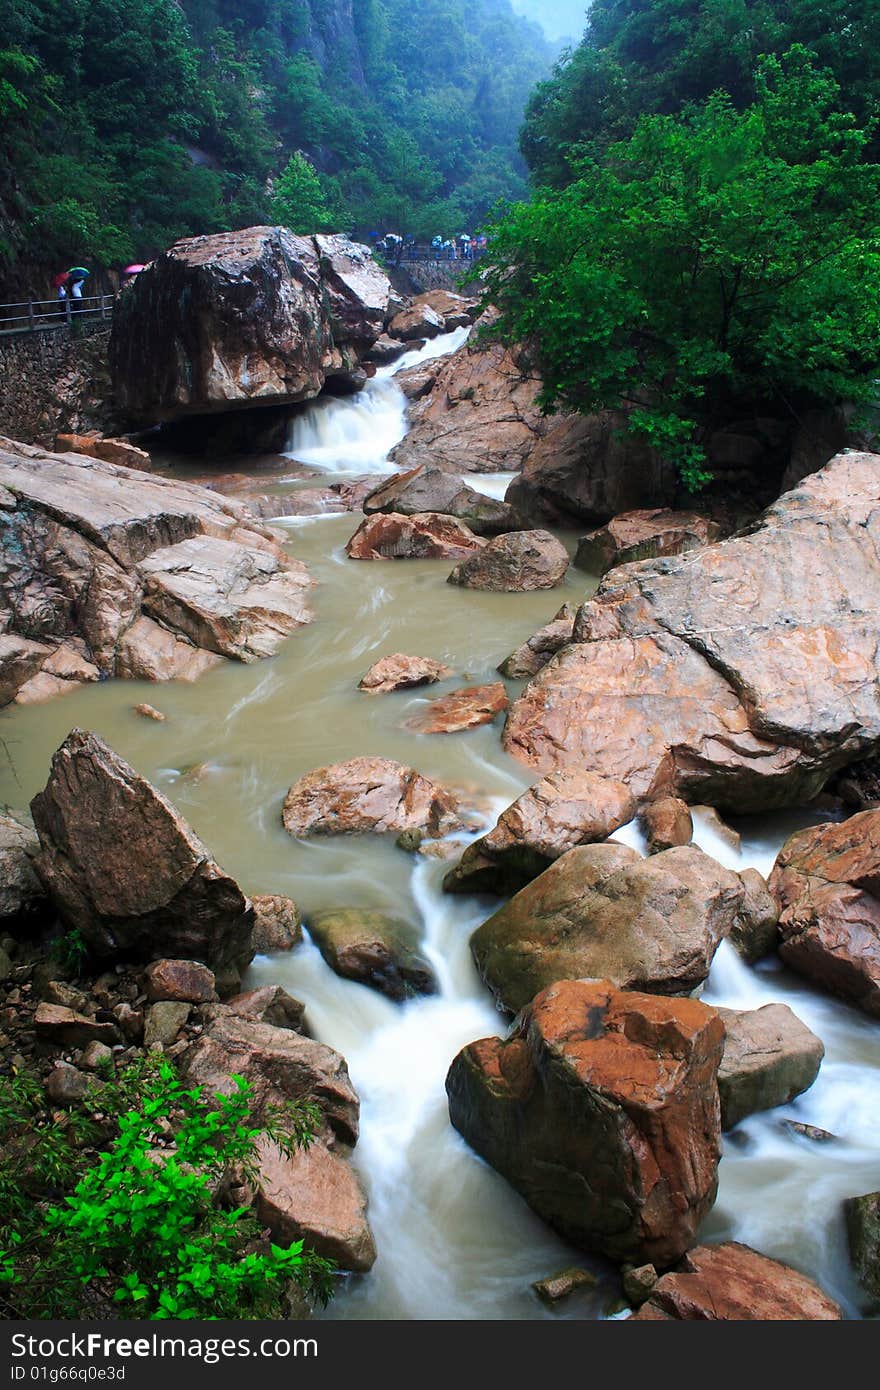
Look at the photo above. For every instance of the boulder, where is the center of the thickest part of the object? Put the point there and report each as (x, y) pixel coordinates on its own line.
(418, 321)
(742, 674)
(467, 708)
(732, 1283)
(474, 411)
(424, 536)
(826, 884)
(863, 1234)
(643, 535)
(666, 823)
(402, 672)
(430, 489)
(237, 319)
(756, 933)
(23, 901)
(769, 1058)
(183, 980)
(99, 447)
(96, 1056)
(514, 563)
(561, 811)
(124, 869)
(53, 1023)
(601, 1109)
(563, 1284)
(368, 795)
(276, 923)
(314, 1195)
(373, 949)
(387, 349)
(584, 468)
(456, 310)
(267, 1004)
(121, 573)
(603, 911)
(164, 1021)
(537, 650)
(65, 1085)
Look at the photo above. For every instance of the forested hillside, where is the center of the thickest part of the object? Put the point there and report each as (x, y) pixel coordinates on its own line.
(131, 122)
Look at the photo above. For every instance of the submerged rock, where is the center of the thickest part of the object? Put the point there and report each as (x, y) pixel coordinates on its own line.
(467, 708)
(368, 795)
(560, 812)
(423, 536)
(430, 489)
(742, 674)
(514, 563)
(643, 535)
(402, 672)
(826, 883)
(601, 1109)
(731, 1282)
(769, 1058)
(374, 949)
(601, 911)
(124, 869)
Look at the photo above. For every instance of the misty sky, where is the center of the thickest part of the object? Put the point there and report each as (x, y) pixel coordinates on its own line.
(560, 19)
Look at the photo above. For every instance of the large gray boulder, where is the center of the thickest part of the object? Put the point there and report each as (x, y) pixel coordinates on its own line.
(429, 489)
(769, 1058)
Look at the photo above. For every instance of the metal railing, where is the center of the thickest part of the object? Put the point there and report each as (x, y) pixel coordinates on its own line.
(34, 315)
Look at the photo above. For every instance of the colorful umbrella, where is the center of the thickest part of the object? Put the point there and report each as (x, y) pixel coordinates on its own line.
(133, 269)
(78, 272)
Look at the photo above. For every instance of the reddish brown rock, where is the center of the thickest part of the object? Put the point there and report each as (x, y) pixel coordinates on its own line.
(601, 1109)
(268, 1004)
(366, 795)
(561, 811)
(150, 712)
(402, 672)
(277, 923)
(826, 883)
(603, 911)
(99, 447)
(666, 823)
(65, 1028)
(456, 310)
(426, 536)
(461, 709)
(769, 1058)
(418, 321)
(430, 489)
(742, 674)
(179, 979)
(537, 650)
(125, 869)
(643, 535)
(732, 1282)
(314, 1195)
(514, 563)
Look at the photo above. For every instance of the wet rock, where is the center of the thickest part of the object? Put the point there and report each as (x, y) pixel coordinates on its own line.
(164, 1021)
(731, 1282)
(96, 1056)
(709, 819)
(424, 536)
(742, 674)
(584, 468)
(277, 923)
(100, 447)
(560, 812)
(315, 1196)
(23, 901)
(150, 712)
(430, 489)
(373, 949)
(601, 911)
(859, 785)
(601, 1109)
(643, 535)
(755, 934)
(467, 708)
(638, 1283)
(666, 823)
(514, 563)
(456, 310)
(811, 1132)
(279, 1063)
(534, 653)
(386, 350)
(53, 1023)
(125, 869)
(269, 1004)
(419, 321)
(826, 883)
(562, 1285)
(368, 795)
(863, 1234)
(769, 1058)
(65, 1085)
(182, 980)
(401, 672)
(251, 317)
(149, 652)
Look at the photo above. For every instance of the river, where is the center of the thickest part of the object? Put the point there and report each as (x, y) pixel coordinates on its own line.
(454, 1241)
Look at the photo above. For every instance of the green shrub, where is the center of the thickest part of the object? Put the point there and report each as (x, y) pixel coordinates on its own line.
(136, 1224)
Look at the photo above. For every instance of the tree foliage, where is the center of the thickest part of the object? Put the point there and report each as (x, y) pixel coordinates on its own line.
(712, 262)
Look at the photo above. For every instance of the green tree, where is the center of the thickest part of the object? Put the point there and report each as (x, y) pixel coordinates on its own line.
(713, 262)
(299, 200)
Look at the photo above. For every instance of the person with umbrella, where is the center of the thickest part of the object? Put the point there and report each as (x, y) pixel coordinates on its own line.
(75, 277)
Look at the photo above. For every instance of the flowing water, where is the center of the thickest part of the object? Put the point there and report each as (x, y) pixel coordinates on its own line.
(454, 1240)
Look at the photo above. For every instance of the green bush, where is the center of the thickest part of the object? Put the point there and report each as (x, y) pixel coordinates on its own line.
(135, 1224)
